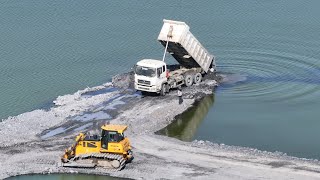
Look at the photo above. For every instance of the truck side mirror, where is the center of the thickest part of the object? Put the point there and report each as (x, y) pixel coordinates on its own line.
(133, 68)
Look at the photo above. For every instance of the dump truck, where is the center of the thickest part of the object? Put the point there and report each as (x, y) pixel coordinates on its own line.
(194, 60)
(110, 150)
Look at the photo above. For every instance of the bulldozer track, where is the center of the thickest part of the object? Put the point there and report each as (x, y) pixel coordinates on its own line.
(101, 156)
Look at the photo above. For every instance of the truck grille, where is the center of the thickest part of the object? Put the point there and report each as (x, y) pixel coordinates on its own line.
(143, 82)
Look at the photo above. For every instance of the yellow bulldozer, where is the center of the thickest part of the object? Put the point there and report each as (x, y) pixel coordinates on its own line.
(111, 149)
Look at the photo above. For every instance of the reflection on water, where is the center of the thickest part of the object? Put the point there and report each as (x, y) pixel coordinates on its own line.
(186, 125)
(63, 177)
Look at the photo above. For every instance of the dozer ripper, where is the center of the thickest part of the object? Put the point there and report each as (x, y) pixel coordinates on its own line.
(111, 150)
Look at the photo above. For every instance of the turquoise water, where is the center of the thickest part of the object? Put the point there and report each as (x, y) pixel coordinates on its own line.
(186, 124)
(269, 51)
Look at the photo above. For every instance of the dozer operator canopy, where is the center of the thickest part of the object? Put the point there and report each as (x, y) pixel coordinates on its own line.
(118, 128)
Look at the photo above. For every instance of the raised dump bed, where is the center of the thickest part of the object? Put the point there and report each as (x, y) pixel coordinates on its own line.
(184, 47)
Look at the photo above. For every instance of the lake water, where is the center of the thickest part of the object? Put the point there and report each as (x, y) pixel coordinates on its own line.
(268, 50)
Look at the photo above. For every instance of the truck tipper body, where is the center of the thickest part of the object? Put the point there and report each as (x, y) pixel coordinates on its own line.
(194, 61)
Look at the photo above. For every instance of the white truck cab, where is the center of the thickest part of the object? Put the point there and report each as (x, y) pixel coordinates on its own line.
(150, 76)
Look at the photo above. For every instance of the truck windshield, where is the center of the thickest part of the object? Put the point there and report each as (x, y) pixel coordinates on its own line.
(145, 71)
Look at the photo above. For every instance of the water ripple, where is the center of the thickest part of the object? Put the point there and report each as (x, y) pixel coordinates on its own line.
(270, 75)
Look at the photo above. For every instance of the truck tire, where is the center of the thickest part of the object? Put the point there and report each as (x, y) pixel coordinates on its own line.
(143, 93)
(188, 80)
(163, 90)
(167, 88)
(197, 78)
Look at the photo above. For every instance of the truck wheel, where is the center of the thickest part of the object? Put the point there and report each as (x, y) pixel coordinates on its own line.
(143, 93)
(188, 80)
(197, 78)
(167, 88)
(163, 90)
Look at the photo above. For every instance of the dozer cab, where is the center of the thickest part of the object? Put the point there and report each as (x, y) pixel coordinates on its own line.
(111, 149)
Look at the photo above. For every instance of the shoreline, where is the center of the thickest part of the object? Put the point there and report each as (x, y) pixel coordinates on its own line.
(156, 156)
(185, 125)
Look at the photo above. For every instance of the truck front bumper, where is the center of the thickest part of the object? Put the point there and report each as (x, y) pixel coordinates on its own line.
(146, 88)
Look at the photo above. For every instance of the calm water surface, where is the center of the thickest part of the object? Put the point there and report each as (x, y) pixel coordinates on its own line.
(268, 50)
